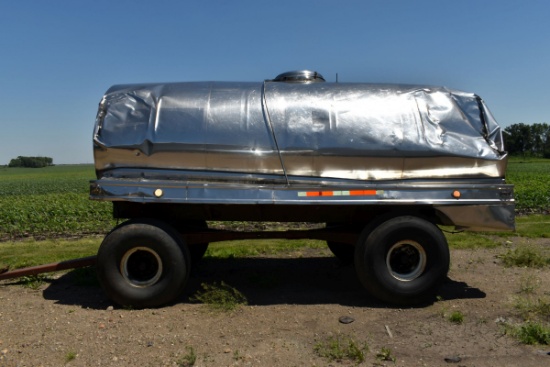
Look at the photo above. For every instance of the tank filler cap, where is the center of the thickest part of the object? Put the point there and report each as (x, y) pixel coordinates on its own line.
(300, 76)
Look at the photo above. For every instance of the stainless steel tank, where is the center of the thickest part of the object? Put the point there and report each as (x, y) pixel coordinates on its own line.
(298, 127)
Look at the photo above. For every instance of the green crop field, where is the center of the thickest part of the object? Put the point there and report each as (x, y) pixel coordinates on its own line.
(532, 184)
(53, 202)
(50, 202)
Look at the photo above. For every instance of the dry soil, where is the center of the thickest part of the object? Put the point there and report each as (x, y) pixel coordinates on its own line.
(295, 302)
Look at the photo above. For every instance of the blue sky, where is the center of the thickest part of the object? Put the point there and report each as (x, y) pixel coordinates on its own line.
(57, 58)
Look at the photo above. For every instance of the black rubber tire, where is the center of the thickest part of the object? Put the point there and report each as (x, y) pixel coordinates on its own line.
(196, 250)
(143, 263)
(342, 251)
(402, 260)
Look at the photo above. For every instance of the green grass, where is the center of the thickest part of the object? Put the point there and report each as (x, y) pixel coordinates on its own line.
(532, 306)
(249, 248)
(456, 317)
(527, 226)
(385, 354)
(526, 256)
(219, 297)
(69, 356)
(25, 253)
(188, 359)
(342, 348)
(532, 333)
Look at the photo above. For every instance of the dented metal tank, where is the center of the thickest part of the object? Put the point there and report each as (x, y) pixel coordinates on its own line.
(297, 148)
(296, 127)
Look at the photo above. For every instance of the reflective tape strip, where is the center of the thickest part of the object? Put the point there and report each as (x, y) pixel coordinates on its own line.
(339, 193)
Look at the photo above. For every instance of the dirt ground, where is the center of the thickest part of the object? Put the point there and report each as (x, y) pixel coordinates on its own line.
(295, 303)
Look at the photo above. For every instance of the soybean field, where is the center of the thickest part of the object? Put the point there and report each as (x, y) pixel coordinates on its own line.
(50, 202)
(531, 178)
(53, 201)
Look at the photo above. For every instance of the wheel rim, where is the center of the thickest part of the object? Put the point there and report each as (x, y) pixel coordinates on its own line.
(141, 266)
(406, 260)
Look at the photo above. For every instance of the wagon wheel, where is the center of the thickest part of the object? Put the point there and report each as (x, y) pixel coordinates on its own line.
(143, 263)
(402, 260)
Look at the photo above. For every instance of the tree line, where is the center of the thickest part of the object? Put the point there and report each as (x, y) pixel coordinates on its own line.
(528, 140)
(31, 162)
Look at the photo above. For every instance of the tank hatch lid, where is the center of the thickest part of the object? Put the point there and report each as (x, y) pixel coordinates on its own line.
(299, 76)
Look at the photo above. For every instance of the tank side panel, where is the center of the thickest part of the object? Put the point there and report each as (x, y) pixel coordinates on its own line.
(363, 131)
(326, 130)
(201, 126)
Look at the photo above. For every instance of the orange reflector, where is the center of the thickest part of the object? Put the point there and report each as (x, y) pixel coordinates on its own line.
(456, 194)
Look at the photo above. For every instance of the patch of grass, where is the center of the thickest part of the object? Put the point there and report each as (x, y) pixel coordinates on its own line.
(529, 284)
(533, 308)
(340, 348)
(525, 256)
(220, 297)
(70, 356)
(188, 359)
(385, 354)
(33, 281)
(470, 240)
(20, 254)
(527, 226)
(533, 226)
(237, 356)
(532, 333)
(248, 248)
(456, 317)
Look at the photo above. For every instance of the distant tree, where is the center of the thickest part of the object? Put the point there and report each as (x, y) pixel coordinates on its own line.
(528, 140)
(31, 162)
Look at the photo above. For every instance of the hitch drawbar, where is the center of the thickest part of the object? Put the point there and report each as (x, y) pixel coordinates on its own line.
(39, 269)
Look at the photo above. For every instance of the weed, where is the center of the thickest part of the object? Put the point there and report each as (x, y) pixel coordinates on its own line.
(188, 359)
(530, 309)
(69, 356)
(341, 348)
(220, 297)
(529, 284)
(481, 321)
(385, 354)
(237, 356)
(525, 256)
(532, 333)
(33, 281)
(456, 317)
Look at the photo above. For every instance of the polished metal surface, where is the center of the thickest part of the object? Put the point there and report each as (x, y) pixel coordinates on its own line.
(296, 141)
(299, 76)
(334, 130)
